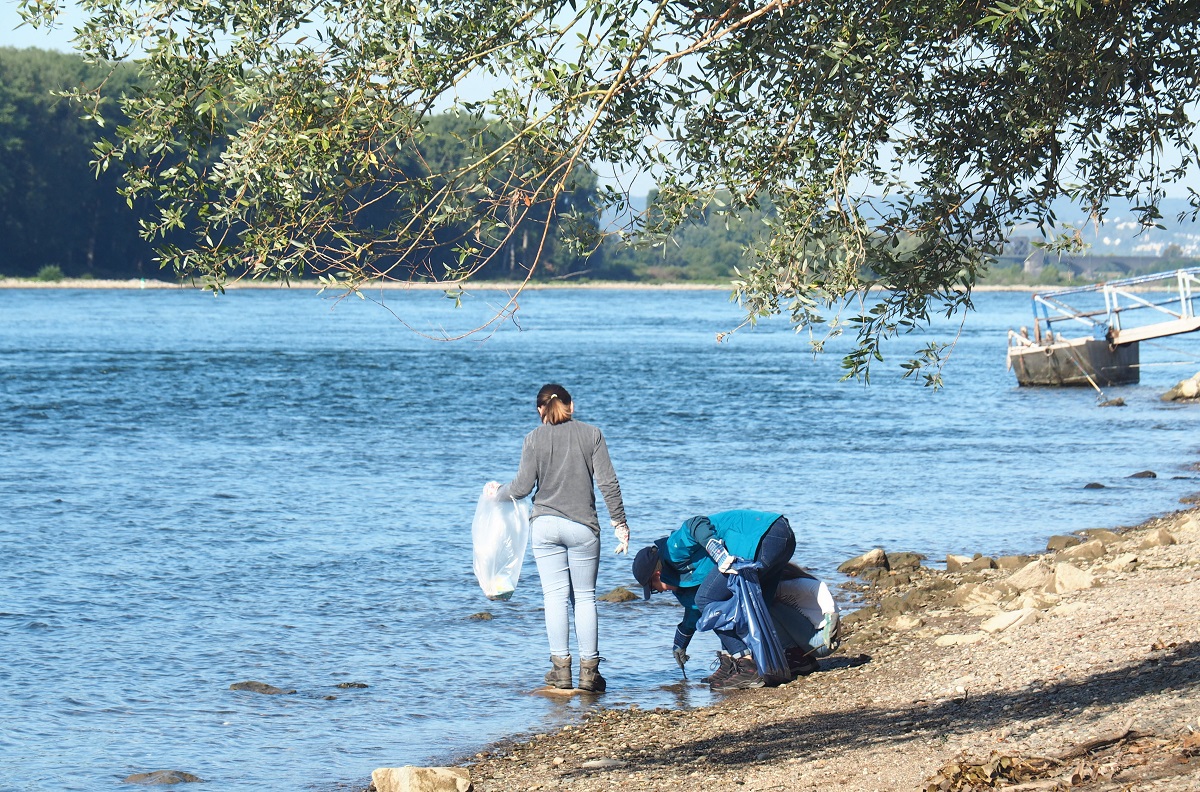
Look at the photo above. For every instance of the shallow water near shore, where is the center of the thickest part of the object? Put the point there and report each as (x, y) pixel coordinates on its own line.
(279, 487)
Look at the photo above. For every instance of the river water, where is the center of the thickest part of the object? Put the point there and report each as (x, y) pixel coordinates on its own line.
(275, 486)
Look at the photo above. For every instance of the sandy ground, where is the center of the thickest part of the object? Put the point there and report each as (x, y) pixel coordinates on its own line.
(1097, 691)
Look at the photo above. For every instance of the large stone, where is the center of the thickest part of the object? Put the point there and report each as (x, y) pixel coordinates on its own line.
(970, 595)
(619, 594)
(1126, 562)
(904, 561)
(1068, 578)
(979, 564)
(159, 777)
(421, 779)
(1034, 576)
(955, 563)
(1088, 551)
(875, 559)
(1062, 542)
(1010, 619)
(260, 687)
(1103, 534)
(1013, 562)
(1143, 474)
(1159, 538)
(1187, 389)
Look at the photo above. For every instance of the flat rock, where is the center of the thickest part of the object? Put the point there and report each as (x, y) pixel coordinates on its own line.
(1062, 542)
(968, 595)
(481, 616)
(1088, 551)
(1068, 578)
(1159, 538)
(619, 594)
(352, 685)
(905, 622)
(1013, 562)
(260, 687)
(1068, 609)
(1033, 576)
(955, 563)
(421, 779)
(1143, 474)
(158, 777)
(979, 564)
(1036, 600)
(601, 764)
(1010, 619)
(874, 559)
(960, 640)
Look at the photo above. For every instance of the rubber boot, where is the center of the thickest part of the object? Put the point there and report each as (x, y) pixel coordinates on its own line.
(560, 675)
(589, 676)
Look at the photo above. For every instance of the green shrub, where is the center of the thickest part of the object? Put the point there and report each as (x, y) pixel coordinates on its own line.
(50, 272)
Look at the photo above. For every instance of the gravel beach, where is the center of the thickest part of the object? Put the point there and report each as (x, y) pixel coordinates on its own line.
(1075, 669)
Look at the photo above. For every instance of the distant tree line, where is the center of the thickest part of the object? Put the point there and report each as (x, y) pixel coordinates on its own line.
(62, 219)
(54, 212)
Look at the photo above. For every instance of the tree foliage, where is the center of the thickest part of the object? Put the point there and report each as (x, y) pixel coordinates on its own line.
(270, 126)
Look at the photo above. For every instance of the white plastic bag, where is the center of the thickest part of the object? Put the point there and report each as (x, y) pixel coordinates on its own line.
(499, 534)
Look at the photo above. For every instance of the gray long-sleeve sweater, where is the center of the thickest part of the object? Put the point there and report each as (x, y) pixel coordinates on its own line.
(566, 462)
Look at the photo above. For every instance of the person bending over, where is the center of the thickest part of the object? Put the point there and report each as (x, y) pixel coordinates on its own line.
(691, 563)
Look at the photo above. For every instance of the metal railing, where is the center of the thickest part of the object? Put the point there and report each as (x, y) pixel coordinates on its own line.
(1049, 307)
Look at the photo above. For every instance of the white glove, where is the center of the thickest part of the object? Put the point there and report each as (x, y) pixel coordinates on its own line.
(491, 488)
(621, 531)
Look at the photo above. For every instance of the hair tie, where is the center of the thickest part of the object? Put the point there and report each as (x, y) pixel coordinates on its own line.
(553, 396)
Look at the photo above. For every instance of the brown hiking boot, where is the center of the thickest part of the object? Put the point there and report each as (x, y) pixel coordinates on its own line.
(744, 676)
(589, 676)
(560, 675)
(725, 667)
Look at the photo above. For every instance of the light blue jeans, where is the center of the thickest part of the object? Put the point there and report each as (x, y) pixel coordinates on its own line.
(568, 555)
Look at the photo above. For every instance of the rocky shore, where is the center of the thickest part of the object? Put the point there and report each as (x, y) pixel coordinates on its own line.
(1076, 669)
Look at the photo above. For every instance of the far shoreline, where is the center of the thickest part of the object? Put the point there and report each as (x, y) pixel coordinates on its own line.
(141, 284)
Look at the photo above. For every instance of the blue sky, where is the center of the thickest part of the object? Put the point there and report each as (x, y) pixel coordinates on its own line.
(10, 36)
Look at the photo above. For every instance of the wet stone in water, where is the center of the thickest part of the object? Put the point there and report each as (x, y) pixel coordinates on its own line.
(259, 687)
(159, 777)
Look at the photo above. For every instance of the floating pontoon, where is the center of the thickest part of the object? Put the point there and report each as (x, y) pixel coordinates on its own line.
(1108, 353)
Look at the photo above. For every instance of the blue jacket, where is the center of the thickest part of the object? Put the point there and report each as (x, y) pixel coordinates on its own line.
(686, 563)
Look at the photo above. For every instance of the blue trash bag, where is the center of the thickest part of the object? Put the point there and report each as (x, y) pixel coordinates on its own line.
(749, 617)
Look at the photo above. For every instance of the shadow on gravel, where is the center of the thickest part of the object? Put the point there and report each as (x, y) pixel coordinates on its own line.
(1173, 668)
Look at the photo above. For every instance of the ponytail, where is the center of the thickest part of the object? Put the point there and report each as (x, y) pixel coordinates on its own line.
(554, 403)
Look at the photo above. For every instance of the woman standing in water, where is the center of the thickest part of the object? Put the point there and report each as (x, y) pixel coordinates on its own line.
(565, 460)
